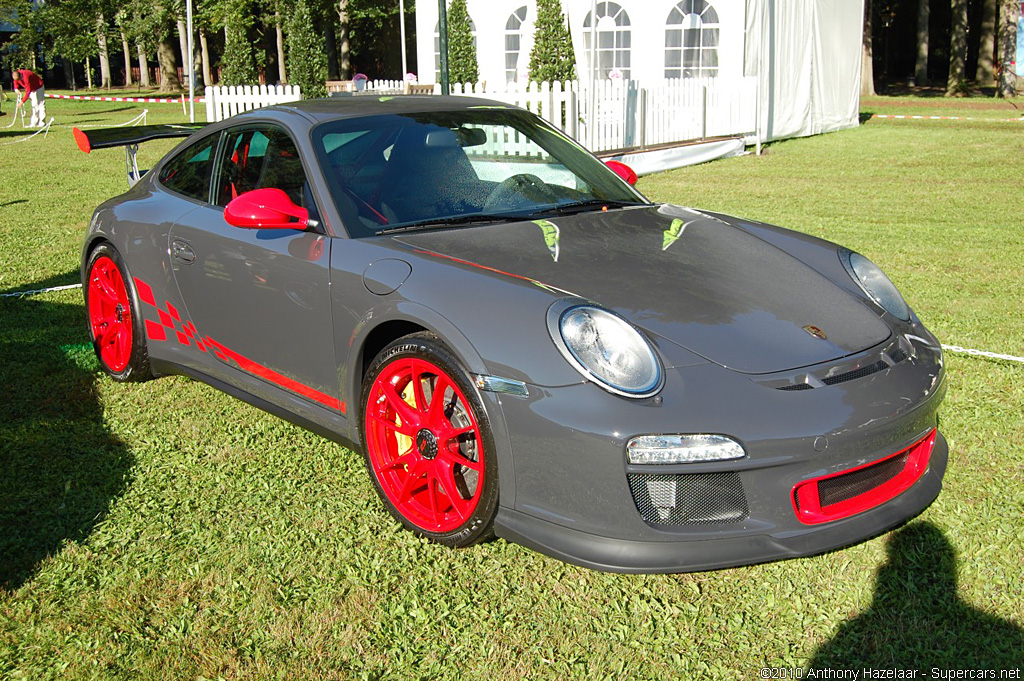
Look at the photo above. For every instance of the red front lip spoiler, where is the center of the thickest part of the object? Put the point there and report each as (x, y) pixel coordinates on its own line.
(807, 503)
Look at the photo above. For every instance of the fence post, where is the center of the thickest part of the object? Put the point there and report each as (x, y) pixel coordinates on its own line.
(704, 112)
(643, 117)
(211, 104)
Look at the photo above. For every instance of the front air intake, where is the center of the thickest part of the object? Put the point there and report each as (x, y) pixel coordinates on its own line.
(843, 494)
(689, 499)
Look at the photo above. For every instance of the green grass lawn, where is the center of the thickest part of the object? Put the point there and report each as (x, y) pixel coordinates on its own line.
(165, 530)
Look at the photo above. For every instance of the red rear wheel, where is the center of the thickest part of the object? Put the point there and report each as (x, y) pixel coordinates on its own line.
(110, 314)
(114, 325)
(428, 443)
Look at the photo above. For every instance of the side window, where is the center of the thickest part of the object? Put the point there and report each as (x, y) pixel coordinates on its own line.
(189, 172)
(257, 158)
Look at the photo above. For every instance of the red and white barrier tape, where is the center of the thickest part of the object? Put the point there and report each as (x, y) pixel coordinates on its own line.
(148, 100)
(946, 118)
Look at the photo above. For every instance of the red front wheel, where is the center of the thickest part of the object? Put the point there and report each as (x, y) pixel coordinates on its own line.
(427, 442)
(114, 323)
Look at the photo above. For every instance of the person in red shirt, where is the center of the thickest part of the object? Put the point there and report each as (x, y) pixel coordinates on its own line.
(33, 88)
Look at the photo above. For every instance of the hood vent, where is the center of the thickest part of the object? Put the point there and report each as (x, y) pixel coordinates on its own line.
(847, 371)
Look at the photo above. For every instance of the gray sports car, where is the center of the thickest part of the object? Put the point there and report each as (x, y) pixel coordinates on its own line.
(518, 341)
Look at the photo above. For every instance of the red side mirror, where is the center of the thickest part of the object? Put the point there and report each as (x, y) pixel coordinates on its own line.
(623, 171)
(268, 208)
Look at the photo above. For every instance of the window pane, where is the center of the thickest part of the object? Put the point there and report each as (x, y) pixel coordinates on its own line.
(189, 173)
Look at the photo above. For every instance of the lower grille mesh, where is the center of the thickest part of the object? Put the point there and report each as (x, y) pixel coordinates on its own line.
(689, 499)
(843, 487)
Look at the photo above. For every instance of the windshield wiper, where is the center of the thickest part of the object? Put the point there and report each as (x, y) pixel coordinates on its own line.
(582, 206)
(470, 219)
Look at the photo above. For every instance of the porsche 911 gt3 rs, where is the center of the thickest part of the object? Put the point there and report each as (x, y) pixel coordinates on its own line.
(517, 340)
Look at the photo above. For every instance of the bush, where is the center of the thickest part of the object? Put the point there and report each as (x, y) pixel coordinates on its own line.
(307, 53)
(552, 57)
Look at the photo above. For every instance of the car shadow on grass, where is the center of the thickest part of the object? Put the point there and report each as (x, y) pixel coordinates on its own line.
(917, 620)
(60, 466)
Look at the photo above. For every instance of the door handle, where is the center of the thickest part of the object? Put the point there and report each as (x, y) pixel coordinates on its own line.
(183, 252)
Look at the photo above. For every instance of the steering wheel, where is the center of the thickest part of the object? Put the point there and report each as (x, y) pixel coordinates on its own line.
(518, 191)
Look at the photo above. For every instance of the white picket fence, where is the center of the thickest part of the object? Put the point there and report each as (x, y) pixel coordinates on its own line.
(627, 114)
(222, 102)
(632, 114)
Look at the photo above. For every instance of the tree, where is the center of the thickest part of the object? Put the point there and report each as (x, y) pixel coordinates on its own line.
(985, 74)
(103, 52)
(552, 57)
(956, 84)
(1009, 12)
(462, 63)
(73, 40)
(307, 55)
(867, 71)
(924, 11)
(238, 63)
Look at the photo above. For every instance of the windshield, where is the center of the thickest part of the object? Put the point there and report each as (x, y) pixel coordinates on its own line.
(436, 169)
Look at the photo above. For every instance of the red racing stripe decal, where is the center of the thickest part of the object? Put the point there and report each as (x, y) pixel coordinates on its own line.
(256, 369)
(187, 335)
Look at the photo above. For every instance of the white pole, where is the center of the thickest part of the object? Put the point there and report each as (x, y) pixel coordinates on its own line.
(401, 25)
(191, 67)
(759, 109)
(592, 114)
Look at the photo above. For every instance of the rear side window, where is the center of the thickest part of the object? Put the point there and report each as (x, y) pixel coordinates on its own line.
(189, 172)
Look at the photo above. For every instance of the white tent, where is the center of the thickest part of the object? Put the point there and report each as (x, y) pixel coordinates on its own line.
(804, 54)
(807, 55)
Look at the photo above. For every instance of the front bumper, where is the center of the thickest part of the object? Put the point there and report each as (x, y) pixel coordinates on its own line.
(636, 556)
(572, 495)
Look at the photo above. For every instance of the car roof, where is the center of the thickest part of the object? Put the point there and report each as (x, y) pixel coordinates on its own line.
(352, 105)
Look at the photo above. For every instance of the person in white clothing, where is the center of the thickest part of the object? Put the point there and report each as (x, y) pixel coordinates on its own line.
(32, 85)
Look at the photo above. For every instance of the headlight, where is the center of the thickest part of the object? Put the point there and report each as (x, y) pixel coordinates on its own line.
(875, 284)
(606, 349)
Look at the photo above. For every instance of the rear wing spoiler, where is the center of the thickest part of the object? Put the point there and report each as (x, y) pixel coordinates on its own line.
(130, 139)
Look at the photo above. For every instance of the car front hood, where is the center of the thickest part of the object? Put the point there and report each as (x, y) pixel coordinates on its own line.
(695, 280)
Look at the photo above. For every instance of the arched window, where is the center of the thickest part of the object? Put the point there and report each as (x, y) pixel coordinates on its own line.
(437, 47)
(613, 40)
(691, 40)
(513, 42)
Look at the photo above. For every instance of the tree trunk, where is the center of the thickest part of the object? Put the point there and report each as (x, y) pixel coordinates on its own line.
(332, 53)
(88, 74)
(344, 65)
(956, 85)
(1009, 12)
(205, 51)
(282, 73)
(985, 75)
(143, 66)
(924, 11)
(69, 74)
(127, 50)
(101, 39)
(867, 70)
(168, 66)
(183, 46)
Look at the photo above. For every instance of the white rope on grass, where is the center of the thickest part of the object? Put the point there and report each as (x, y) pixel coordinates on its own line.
(45, 130)
(981, 353)
(34, 292)
(950, 348)
(141, 118)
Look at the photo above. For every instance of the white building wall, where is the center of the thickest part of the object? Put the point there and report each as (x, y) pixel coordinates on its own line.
(647, 25)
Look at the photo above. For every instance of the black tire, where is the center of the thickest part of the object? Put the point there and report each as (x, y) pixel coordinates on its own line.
(429, 477)
(112, 310)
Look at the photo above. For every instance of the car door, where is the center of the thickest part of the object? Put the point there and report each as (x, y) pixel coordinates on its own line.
(259, 298)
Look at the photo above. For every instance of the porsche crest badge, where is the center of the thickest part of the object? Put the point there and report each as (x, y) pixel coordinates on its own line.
(815, 331)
